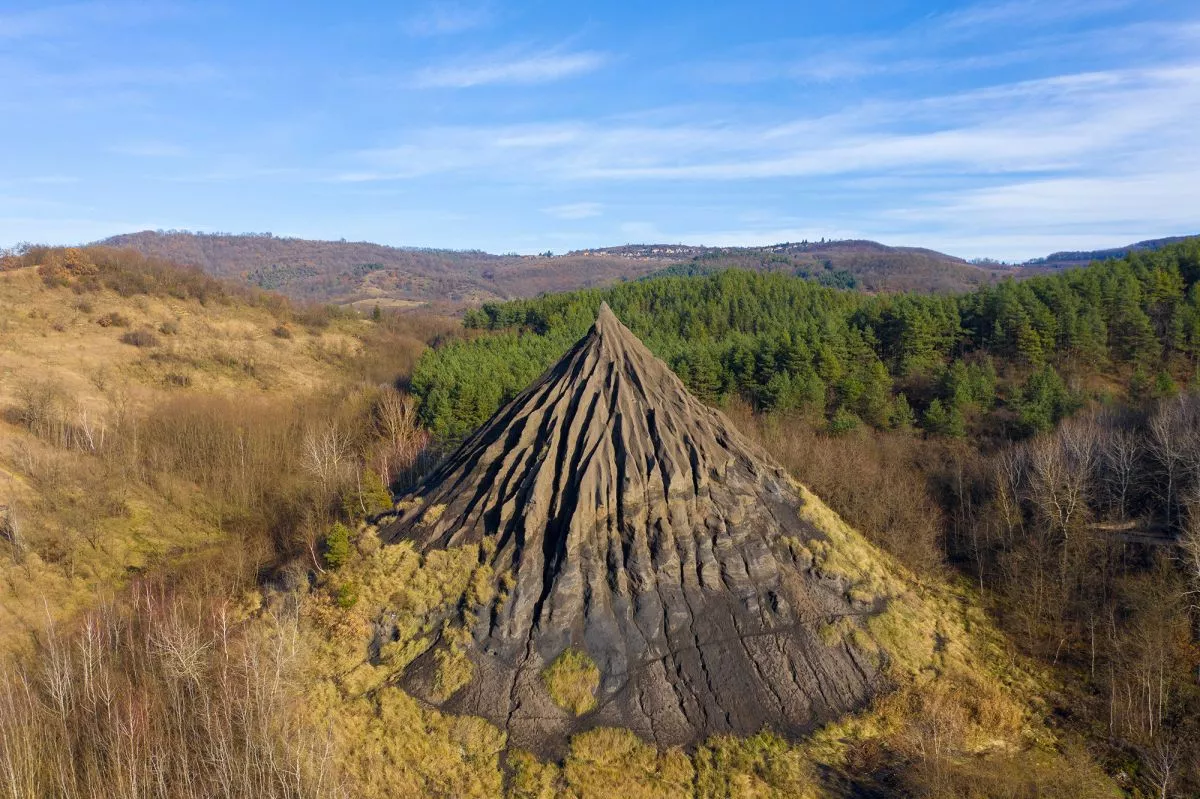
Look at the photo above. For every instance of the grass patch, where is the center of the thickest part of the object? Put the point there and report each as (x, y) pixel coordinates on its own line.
(610, 762)
(433, 514)
(454, 670)
(572, 680)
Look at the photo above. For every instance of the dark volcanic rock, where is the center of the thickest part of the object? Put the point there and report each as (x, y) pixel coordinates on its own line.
(626, 519)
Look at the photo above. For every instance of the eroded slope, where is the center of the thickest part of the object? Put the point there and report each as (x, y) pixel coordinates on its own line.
(628, 526)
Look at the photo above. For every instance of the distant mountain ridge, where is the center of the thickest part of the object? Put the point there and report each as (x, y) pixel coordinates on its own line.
(363, 274)
(1064, 259)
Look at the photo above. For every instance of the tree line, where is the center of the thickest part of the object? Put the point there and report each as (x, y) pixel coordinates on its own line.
(1008, 360)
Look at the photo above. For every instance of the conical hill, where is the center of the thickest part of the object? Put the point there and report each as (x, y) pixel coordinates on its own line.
(649, 567)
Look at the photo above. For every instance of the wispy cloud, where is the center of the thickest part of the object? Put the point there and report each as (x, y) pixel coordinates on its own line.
(574, 210)
(510, 69)
(960, 41)
(1106, 148)
(1026, 14)
(445, 18)
(1057, 124)
(1165, 199)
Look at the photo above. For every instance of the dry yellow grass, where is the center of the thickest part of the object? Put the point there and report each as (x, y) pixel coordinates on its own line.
(572, 680)
(385, 303)
(103, 527)
(52, 333)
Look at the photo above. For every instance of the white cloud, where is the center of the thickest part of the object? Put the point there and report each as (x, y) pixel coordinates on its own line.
(1101, 121)
(515, 70)
(1011, 170)
(574, 210)
(1172, 198)
(1025, 14)
(960, 42)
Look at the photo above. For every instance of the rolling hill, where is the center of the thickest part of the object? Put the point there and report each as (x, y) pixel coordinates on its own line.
(365, 274)
(1068, 259)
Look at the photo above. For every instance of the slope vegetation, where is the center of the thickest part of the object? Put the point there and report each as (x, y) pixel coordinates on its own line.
(147, 414)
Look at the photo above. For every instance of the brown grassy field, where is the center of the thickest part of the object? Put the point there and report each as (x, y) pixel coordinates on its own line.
(145, 424)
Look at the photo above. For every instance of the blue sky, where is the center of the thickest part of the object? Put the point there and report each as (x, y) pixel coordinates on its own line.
(999, 129)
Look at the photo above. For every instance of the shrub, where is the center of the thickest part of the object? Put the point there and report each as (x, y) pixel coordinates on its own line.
(368, 498)
(54, 275)
(140, 338)
(843, 422)
(337, 546)
(347, 595)
(943, 420)
(113, 319)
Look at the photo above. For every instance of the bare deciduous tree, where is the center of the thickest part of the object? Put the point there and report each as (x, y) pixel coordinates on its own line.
(1010, 483)
(1175, 443)
(1189, 545)
(325, 452)
(162, 699)
(1061, 469)
(396, 418)
(1163, 761)
(10, 531)
(1122, 451)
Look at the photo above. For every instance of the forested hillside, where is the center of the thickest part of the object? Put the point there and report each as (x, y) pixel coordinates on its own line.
(865, 265)
(362, 273)
(1006, 360)
(1039, 439)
